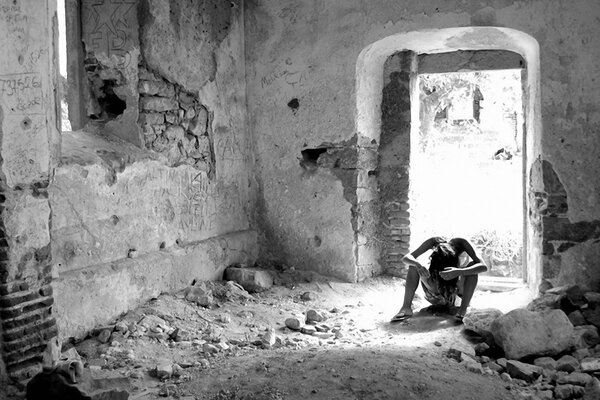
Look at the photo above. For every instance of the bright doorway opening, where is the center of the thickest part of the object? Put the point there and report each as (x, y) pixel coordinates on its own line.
(471, 134)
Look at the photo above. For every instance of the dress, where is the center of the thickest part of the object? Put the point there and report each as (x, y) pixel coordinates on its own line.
(438, 291)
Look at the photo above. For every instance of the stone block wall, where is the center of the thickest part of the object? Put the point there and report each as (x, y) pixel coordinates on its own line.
(175, 123)
(123, 97)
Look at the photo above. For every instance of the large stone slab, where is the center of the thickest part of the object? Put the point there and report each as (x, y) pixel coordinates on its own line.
(523, 333)
(519, 370)
(251, 279)
(480, 321)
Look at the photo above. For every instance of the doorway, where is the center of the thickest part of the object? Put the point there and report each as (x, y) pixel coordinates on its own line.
(371, 80)
(466, 167)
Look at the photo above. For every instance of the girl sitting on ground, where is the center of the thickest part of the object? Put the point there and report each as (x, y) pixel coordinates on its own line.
(449, 274)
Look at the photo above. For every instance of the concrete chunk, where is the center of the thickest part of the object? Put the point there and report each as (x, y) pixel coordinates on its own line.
(251, 279)
(519, 370)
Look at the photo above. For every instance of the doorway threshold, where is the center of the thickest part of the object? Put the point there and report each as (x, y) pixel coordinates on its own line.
(500, 284)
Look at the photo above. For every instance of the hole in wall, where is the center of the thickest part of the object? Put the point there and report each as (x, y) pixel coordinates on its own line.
(294, 104)
(111, 104)
(104, 103)
(310, 157)
(317, 241)
(26, 123)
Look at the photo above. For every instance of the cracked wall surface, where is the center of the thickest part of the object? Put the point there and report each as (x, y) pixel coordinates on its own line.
(146, 218)
(308, 51)
(29, 145)
(568, 247)
(178, 196)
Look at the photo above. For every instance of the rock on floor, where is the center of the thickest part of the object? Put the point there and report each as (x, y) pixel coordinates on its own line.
(523, 333)
(480, 321)
(251, 279)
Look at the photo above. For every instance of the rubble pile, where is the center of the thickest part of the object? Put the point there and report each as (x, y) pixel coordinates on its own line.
(552, 348)
(192, 333)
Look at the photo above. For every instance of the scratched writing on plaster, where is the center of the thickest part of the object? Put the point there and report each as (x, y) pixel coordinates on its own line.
(228, 148)
(16, 26)
(191, 194)
(33, 58)
(110, 28)
(199, 204)
(195, 214)
(22, 164)
(10, 9)
(290, 76)
(21, 93)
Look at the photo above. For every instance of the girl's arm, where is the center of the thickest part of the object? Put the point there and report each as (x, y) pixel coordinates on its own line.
(411, 259)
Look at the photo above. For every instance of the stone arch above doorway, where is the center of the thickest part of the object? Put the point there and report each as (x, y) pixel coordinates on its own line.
(369, 86)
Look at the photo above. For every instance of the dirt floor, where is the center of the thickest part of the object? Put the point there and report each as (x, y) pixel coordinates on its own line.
(225, 351)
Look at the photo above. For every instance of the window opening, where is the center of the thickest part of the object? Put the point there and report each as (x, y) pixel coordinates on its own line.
(62, 66)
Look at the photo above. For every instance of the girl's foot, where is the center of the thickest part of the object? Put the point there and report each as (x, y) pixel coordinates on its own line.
(402, 315)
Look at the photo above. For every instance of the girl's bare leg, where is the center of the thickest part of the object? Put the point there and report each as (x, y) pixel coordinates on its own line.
(469, 285)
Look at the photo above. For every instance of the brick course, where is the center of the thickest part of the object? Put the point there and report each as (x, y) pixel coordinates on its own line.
(25, 305)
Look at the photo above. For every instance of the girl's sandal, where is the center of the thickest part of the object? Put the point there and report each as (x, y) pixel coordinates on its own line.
(458, 318)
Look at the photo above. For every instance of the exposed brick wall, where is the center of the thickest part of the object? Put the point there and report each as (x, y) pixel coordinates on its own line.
(25, 306)
(394, 161)
(175, 123)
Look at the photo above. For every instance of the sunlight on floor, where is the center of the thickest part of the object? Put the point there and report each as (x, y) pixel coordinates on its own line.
(381, 298)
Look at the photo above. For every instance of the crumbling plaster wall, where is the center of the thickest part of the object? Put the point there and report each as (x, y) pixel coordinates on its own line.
(29, 147)
(308, 50)
(132, 221)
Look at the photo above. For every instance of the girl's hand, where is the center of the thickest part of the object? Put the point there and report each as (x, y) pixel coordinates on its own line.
(450, 273)
(423, 272)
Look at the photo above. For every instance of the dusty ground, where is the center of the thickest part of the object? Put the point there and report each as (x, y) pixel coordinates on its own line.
(368, 359)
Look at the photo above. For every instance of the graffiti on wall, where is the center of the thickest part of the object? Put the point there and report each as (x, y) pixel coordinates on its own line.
(287, 71)
(197, 204)
(21, 93)
(108, 26)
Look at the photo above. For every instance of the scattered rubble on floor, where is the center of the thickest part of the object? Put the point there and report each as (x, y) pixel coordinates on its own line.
(165, 342)
(548, 357)
(251, 279)
(174, 338)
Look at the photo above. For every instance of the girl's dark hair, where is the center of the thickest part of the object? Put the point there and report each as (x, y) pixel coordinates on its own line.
(443, 256)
